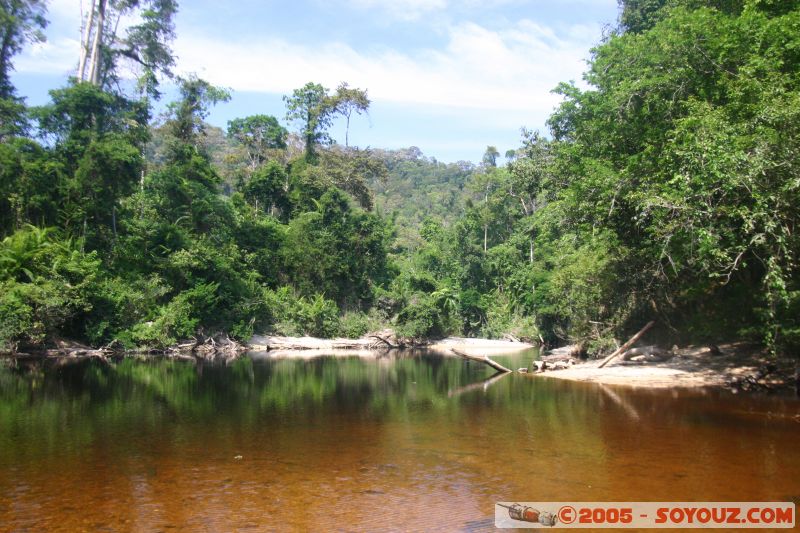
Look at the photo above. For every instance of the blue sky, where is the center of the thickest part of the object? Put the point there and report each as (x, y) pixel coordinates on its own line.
(449, 77)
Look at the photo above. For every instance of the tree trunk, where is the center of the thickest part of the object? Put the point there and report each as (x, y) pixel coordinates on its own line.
(531, 251)
(624, 347)
(5, 82)
(94, 71)
(86, 34)
(485, 360)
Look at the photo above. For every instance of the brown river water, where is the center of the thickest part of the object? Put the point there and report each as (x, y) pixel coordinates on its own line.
(407, 442)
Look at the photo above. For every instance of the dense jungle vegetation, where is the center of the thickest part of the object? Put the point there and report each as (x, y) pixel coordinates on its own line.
(667, 190)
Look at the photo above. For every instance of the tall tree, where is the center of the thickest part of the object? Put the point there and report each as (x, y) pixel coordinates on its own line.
(529, 176)
(259, 134)
(98, 137)
(189, 113)
(145, 45)
(349, 100)
(490, 157)
(21, 21)
(312, 107)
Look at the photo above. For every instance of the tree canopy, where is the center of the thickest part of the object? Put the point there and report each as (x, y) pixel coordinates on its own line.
(666, 188)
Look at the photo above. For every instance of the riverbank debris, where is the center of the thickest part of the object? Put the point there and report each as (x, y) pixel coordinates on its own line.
(622, 349)
(485, 359)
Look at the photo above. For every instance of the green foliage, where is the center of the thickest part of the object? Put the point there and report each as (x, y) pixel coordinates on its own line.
(46, 287)
(197, 96)
(336, 250)
(355, 324)
(668, 191)
(296, 315)
(266, 188)
(147, 44)
(417, 187)
(420, 318)
(177, 320)
(29, 181)
(313, 108)
(348, 100)
(259, 134)
(21, 21)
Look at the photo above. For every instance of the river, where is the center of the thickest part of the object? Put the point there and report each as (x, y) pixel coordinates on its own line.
(407, 442)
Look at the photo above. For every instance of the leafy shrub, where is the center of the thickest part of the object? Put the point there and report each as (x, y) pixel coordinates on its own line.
(177, 320)
(294, 315)
(420, 318)
(45, 286)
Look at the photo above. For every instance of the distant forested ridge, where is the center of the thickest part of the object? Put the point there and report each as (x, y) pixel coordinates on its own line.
(666, 190)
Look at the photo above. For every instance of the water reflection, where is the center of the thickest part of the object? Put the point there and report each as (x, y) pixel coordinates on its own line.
(412, 441)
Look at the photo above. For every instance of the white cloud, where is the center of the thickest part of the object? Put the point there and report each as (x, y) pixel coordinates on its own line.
(414, 9)
(511, 69)
(481, 77)
(402, 9)
(59, 56)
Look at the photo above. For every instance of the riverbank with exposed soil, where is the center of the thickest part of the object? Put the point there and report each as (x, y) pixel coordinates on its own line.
(738, 366)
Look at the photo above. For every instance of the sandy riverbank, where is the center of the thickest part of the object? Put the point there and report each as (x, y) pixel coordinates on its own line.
(690, 367)
(307, 347)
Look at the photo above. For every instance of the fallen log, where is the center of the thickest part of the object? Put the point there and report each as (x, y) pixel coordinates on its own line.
(481, 359)
(385, 341)
(624, 347)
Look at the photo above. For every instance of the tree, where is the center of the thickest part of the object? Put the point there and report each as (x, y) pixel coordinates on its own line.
(529, 175)
(145, 45)
(312, 107)
(347, 101)
(189, 113)
(266, 187)
(352, 170)
(21, 21)
(337, 250)
(97, 139)
(490, 157)
(683, 148)
(259, 134)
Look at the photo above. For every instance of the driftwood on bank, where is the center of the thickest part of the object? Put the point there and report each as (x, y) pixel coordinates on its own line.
(208, 348)
(624, 347)
(386, 341)
(651, 354)
(481, 359)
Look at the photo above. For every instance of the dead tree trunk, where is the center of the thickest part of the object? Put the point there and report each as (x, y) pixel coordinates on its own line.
(624, 347)
(481, 359)
(385, 341)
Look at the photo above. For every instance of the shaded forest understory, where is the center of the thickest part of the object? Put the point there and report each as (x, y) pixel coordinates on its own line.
(668, 190)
